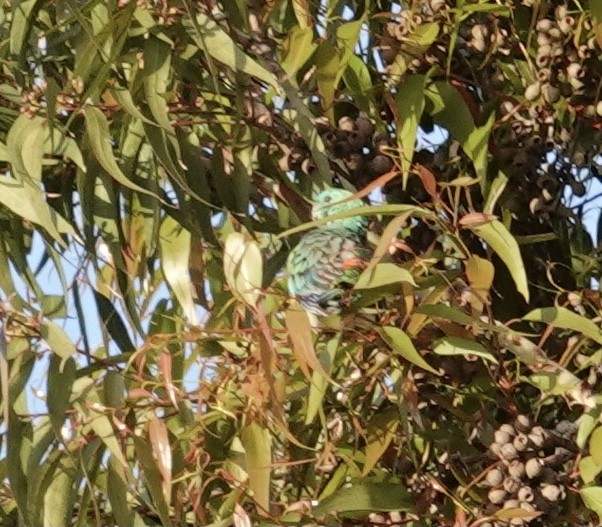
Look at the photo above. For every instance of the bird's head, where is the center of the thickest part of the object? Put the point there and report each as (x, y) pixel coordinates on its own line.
(334, 201)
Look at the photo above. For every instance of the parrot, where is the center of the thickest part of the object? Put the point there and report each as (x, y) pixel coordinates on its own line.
(327, 262)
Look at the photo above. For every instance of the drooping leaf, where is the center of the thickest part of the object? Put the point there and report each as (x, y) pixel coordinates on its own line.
(379, 434)
(243, 267)
(257, 443)
(366, 495)
(401, 344)
(505, 246)
(383, 274)
(174, 242)
(410, 105)
(592, 497)
(562, 317)
(460, 346)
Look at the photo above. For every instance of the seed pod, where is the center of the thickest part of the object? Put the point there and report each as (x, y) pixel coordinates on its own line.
(525, 494)
(542, 60)
(511, 485)
(544, 25)
(533, 91)
(494, 477)
(508, 452)
(533, 467)
(511, 504)
(521, 442)
(364, 126)
(542, 39)
(380, 165)
(599, 108)
(550, 93)
(346, 123)
(522, 423)
(516, 469)
(560, 11)
(584, 52)
(555, 33)
(506, 427)
(502, 437)
(529, 507)
(496, 496)
(550, 492)
(575, 70)
(537, 436)
(495, 449)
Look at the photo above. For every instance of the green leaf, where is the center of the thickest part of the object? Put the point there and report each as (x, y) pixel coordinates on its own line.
(61, 375)
(57, 339)
(589, 469)
(297, 47)
(476, 146)
(561, 317)
(595, 446)
(28, 202)
(97, 128)
(366, 495)
(385, 210)
(494, 191)
(446, 312)
(504, 244)
(328, 65)
(59, 495)
(587, 424)
(358, 80)
(243, 267)
(23, 16)
(113, 322)
(384, 274)
(152, 477)
(401, 344)
(461, 346)
(25, 145)
(592, 497)
(257, 443)
(174, 242)
(103, 427)
(409, 102)
(117, 492)
(114, 389)
(380, 432)
(219, 45)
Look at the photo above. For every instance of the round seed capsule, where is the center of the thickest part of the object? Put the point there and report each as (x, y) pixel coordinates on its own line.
(511, 485)
(525, 494)
(497, 496)
(516, 469)
(522, 423)
(521, 442)
(533, 467)
(550, 492)
(508, 452)
(494, 477)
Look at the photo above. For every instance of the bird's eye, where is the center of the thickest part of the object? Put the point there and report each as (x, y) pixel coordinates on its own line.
(327, 199)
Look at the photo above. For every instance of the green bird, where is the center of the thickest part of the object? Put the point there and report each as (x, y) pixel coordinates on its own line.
(327, 262)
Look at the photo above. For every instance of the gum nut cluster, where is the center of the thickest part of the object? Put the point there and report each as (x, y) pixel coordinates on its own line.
(532, 469)
(364, 153)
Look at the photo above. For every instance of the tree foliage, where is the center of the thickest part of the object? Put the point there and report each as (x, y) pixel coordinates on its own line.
(158, 162)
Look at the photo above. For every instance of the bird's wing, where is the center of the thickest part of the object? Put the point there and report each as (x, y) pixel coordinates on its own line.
(323, 260)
